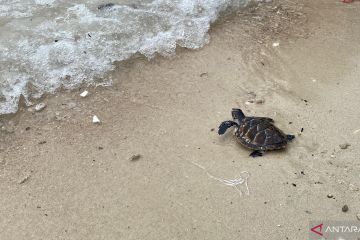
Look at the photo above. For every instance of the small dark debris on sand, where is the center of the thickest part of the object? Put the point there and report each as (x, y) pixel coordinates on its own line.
(27, 128)
(42, 142)
(203, 74)
(345, 208)
(260, 101)
(135, 157)
(330, 195)
(25, 179)
(213, 129)
(344, 145)
(302, 130)
(106, 6)
(100, 148)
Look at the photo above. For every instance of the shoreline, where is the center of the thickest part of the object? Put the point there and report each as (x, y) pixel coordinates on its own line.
(64, 177)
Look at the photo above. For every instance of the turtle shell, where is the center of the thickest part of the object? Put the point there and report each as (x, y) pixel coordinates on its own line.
(260, 134)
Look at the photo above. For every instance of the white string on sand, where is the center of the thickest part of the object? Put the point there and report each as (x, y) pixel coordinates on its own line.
(244, 175)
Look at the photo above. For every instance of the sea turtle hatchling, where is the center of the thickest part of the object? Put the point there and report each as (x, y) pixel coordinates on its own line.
(256, 133)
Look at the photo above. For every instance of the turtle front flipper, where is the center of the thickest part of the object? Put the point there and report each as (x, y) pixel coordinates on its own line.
(290, 137)
(225, 125)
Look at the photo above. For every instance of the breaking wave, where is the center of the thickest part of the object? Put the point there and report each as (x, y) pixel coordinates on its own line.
(48, 44)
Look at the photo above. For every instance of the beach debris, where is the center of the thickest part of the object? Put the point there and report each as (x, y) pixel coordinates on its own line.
(332, 156)
(25, 179)
(255, 100)
(42, 142)
(356, 131)
(39, 107)
(275, 44)
(27, 128)
(203, 74)
(84, 94)
(213, 129)
(302, 130)
(135, 157)
(344, 145)
(105, 6)
(345, 208)
(96, 120)
(260, 101)
(330, 195)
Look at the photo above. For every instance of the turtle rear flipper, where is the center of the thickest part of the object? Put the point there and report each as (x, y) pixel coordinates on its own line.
(225, 125)
(256, 153)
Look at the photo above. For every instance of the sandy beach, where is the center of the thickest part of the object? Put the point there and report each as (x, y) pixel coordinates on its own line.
(64, 177)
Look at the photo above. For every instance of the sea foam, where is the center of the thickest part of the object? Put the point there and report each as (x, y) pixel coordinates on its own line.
(48, 44)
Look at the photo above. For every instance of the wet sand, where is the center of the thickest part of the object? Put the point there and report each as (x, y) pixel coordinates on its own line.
(63, 177)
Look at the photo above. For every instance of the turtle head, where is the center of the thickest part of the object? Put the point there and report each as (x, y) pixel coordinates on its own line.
(237, 114)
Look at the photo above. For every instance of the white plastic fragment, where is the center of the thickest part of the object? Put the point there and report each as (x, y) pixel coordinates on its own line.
(356, 131)
(84, 94)
(39, 107)
(96, 119)
(276, 44)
